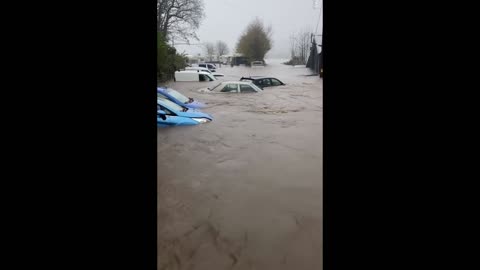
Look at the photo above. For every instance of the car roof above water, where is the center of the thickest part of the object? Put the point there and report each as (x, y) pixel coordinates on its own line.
(256, 77)
(196, 68)
(192, 71)
(239, 82)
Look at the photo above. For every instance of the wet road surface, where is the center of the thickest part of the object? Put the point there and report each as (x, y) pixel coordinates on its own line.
(245, 190)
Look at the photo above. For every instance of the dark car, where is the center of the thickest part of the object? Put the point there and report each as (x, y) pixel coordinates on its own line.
(263, 81)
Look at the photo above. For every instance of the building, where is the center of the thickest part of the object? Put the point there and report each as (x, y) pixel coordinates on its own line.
(237, 59)
(195, 59)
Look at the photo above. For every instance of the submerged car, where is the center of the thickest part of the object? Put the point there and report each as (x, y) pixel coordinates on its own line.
(263, 81)
(215, 74)
(258, 64)
(172, 114)
(193, 76)
(210, 66)
(232, 87)
(178, 98)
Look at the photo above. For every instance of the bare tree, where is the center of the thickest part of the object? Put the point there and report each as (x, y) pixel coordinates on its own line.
(222, 48)
(179, 18)
(303, 43)
(300, 46)
(210, 50)
(293, 46)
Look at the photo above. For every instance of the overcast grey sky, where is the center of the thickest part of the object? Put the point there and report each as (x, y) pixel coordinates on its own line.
(227, 19)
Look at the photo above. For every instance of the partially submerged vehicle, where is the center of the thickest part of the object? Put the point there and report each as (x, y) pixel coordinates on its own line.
(178, 98)
(172, 114)
(193, 76)
(263, 81)
(215, 74)
(232, 87)
(210, 66)
(258, 64)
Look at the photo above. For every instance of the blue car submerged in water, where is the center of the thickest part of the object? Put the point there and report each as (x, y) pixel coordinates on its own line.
(172, 114)
(178, 98)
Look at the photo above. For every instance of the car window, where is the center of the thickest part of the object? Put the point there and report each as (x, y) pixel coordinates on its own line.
(167, 111)
(231, 87)
(216, 87)
(177, 95)
(171, 105)
(265, 82)
(245, 88)
(276, 82)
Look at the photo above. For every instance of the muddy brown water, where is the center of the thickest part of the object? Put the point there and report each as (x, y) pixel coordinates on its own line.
(245, 190)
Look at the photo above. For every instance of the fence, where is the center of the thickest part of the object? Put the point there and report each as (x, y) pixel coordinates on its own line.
(315, 60)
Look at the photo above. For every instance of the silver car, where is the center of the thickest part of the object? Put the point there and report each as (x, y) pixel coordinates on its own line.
(232, 87)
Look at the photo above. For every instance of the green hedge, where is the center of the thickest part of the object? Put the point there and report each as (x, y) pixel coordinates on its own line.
(168, 60)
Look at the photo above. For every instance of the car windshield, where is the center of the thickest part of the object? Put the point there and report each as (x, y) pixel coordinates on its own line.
(254, 87)
(173, 106)
(177, 95)
(216, 87)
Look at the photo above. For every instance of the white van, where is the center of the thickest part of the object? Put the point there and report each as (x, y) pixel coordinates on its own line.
(193, 76)
(216, 74)
(198, 68)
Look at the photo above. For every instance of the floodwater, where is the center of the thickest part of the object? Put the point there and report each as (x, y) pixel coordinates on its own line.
(245, 190)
